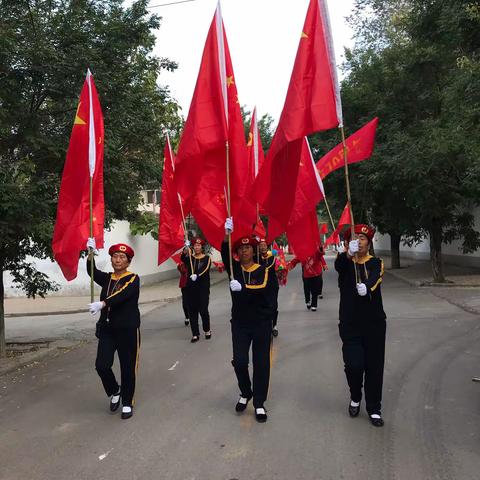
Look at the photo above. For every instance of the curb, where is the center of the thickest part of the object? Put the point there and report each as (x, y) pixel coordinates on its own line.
(83, 310)
(427, 283)
(25, 360)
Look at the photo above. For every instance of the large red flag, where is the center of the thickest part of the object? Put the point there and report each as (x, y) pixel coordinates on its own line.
(345, 220)
(213, 121)
(170, 230)
(359, 147)
(312, 104)
(304, 235)
(84, 161)
(302, 229)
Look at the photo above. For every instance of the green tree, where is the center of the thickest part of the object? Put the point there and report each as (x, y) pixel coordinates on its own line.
(415, 65)
(45, 49)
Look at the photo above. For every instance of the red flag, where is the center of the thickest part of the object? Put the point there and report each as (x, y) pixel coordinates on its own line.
(304, 236)
(345, 219)
(256, 156)
(213, 120)
(84, 161)
(324, 228)
(170, 230)
(259, 229)
(359, 147)
(312, 104)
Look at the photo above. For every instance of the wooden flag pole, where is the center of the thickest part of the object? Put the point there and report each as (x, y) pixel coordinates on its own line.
(185, 233)
(329, 214)
(227, 149)
(349, 196)
(91, 236)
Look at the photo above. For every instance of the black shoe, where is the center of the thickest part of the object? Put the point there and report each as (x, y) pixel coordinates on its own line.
(309, 305)
(261, 415)
(241, 406)
(194, 339)
(208, 335)
(115, 401)
(275, 332)
(377, 422)
(127, 414)
(314, 309)
(187, 322)
(353, 411)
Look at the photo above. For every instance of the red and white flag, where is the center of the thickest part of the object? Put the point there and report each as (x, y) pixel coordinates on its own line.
(214, 119)
(312, 104)
(84, 162)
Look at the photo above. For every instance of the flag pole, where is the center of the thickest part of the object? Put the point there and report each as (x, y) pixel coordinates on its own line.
(185, 233)
(91, 236)
(330, 214)
(227, 150)
(349, 196)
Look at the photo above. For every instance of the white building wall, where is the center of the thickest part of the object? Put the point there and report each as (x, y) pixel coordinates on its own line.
(144, 264)
(452, 253)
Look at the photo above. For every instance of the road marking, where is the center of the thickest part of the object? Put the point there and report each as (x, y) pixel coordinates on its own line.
(173, 366)
(104, 455)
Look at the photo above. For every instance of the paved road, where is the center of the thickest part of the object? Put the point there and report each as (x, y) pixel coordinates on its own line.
(55, 425)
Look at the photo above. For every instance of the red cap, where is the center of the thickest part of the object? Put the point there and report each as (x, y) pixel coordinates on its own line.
(198, 240)
(123, 248)
(363, 229)
(244, 241)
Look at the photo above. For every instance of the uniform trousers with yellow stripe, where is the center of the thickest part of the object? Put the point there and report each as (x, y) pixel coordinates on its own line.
(126, 342)
(259, 336)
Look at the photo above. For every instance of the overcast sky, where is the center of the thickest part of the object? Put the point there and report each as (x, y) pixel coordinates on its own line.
(263, 37)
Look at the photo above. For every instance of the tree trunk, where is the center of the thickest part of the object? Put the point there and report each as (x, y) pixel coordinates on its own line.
(436, 251)
(395, 250)
(3, 347)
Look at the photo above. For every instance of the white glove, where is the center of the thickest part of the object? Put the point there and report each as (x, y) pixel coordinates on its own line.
(187, 243)
(353, 247)
(193, 277)
(340, 248)
(361, 289)
(235, 286)
(91, 244)
(229, 225)
(95, 307)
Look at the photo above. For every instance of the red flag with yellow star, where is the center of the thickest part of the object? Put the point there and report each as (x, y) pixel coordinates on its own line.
(312, 104)
(359, 147)
(170, 230)
(84, 161)
(302, 228)
(214, 120)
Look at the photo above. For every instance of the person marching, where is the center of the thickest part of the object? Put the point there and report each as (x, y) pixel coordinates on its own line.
(198, 287)
(362, 324)
(312, 276)
(182, 284)
(252, 308)
(267, 257)
(118, 329)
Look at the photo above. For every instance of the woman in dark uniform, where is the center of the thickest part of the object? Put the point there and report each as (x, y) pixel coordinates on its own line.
(118, 329)
(252, 309)
(362, 324)
(198, 287)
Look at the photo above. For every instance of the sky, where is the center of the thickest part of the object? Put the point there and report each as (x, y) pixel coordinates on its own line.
(263, 37)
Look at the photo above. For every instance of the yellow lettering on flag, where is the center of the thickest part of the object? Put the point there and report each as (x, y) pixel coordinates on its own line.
(250, 139)
(304, 35)
(230, 81)
(78, 120)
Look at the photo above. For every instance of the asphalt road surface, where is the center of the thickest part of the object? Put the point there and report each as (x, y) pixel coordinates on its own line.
(55, 422)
